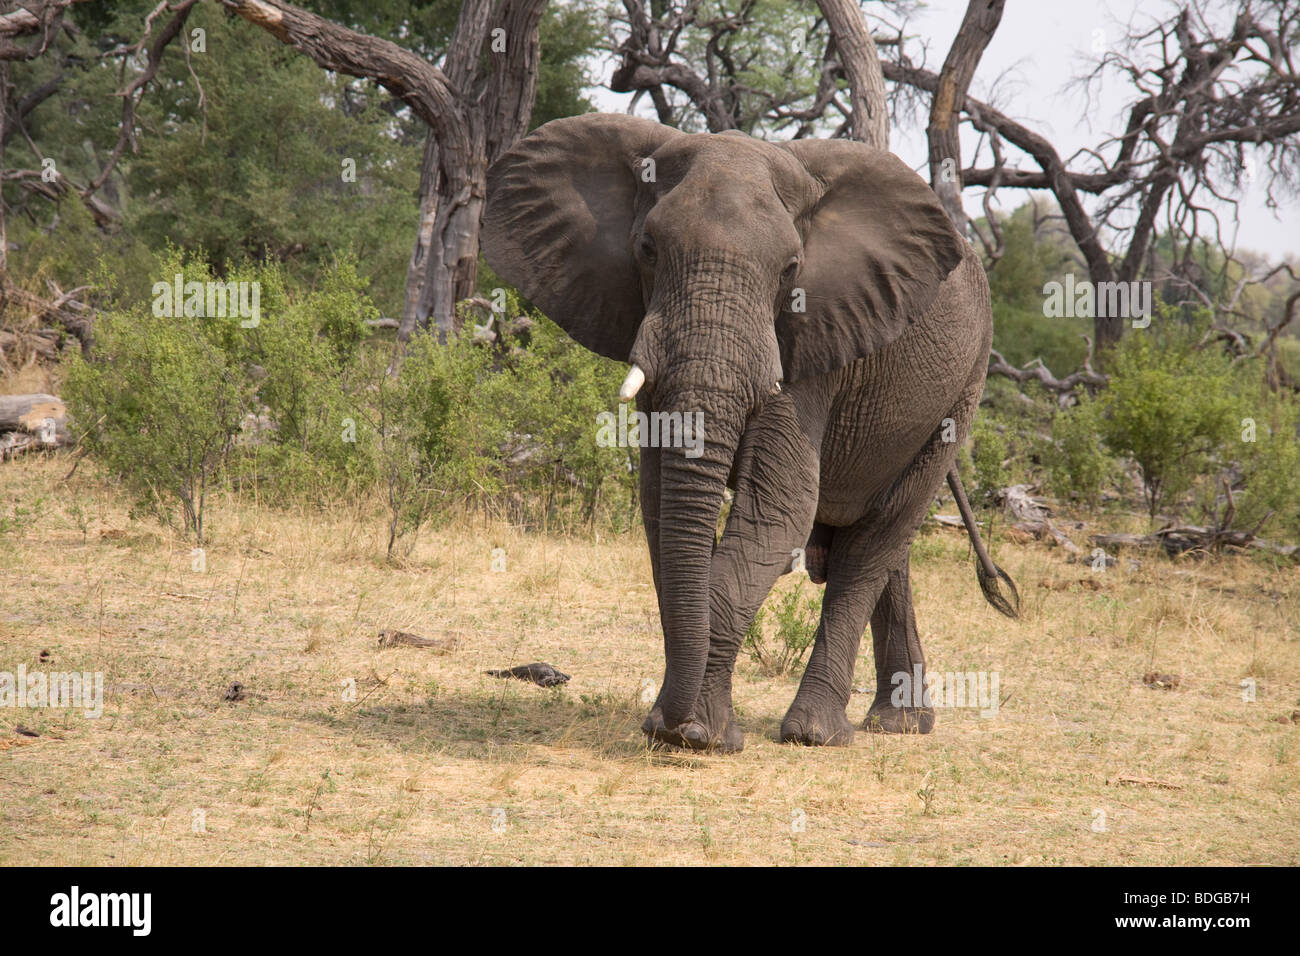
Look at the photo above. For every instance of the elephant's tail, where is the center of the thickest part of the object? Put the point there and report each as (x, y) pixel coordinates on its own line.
(986, 571)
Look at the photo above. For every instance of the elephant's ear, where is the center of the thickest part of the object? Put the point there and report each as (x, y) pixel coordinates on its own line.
(559, 215)
(877, 246)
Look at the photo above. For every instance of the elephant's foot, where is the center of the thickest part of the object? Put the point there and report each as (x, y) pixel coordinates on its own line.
(885, 718)
(822, 726)
(694, 735)
(699, 733)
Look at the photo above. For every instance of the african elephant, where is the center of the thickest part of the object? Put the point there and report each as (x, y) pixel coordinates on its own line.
(812, 301)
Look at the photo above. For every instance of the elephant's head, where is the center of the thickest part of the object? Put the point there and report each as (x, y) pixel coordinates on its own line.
(720, 266)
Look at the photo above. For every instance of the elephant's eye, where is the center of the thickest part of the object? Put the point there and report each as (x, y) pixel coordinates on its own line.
(647, 249)
(790, 269)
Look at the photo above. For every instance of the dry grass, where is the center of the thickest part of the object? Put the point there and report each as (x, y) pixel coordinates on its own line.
(416, 769)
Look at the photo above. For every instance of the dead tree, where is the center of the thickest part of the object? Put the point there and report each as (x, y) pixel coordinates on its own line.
(43, 22)
(1202, 99)
(691, 63)
(977, 29)
(869, 120)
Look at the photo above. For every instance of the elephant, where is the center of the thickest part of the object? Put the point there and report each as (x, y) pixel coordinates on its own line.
(813, 302)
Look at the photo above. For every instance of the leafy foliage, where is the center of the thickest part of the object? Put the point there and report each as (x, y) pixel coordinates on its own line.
(1172, 410)
(779, 648)
(162, 403)
(302, 405)
(1077, 462)
(1195, 423)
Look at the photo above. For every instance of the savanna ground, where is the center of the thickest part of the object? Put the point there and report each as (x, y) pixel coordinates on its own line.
(436, 763)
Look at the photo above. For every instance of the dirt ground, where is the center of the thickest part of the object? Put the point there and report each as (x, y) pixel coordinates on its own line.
(342, 752)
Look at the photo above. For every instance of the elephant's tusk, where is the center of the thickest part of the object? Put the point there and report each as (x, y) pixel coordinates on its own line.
(632, 384)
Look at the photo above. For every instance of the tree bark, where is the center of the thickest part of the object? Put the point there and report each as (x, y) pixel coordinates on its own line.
(33, 415)
(977, 29)
(858, 57)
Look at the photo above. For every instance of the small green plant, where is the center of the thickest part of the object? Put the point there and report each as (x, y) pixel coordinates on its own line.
(927, 794)
(794, 619)
(989, 449)
(81, 519)
(22, 516)
(1078, 465)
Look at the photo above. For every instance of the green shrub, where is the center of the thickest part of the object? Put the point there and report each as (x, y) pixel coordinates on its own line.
(794, 623)
(989, 449)
(1077, 463)
(511, 427)
(307, 362)
(1172, 409)
(161, 403)
(1004, 439)
(1262, 462)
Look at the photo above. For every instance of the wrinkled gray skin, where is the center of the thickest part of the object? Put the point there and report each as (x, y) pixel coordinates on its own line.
(685, 254)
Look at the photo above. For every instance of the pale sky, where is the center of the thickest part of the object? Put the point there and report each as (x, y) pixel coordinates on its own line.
(1039, 46)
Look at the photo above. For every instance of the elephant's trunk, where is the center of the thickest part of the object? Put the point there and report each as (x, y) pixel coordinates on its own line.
(692, 481)
(707, 353)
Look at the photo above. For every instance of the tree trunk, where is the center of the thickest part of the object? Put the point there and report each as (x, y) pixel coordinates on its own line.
(858, 57)
(451, 266)
(977, 28)
(37, 420)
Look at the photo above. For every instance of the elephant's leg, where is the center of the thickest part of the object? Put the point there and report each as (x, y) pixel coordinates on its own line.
(854, 578)
(900, 664)
(867, 577)
(771, 516)
(896, 643)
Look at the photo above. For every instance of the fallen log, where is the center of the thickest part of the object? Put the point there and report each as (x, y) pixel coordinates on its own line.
(1032, 516)
(27, 421)
(950, 521)
(1179, 540)
(27, 412)
(1045, 530)
(1133, 781)
(1145, 542)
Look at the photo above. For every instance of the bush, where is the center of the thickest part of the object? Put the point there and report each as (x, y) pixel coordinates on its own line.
(1004, 438)
(1172, 409)
(989, 449)
(795, 620)
(1077, 463)
(162, 402)
(1195, 422)
(308, 365)
(302, 405)
(1261, 460)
